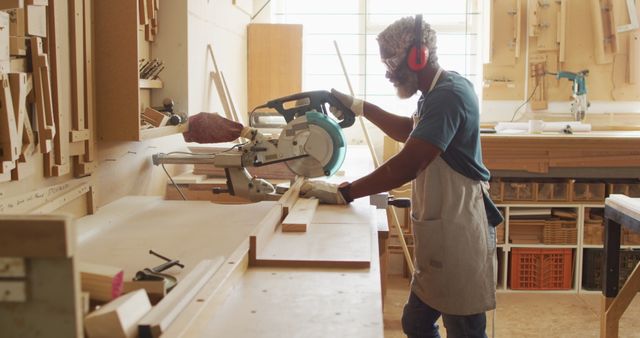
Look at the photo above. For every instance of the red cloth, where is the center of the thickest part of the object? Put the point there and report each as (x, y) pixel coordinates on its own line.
(211, 128)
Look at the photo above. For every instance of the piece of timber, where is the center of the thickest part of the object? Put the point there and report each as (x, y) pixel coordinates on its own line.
(158, 320)
(36, 236)
(118, 318)
(46, 126)
(64, 199)
(214, 292)
(87, 164)
(103, 282)
(300, 215)
(32, 200)
(10, 144)
(59, 89)
(290, 197)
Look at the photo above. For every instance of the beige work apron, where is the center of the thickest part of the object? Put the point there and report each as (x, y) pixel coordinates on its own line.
(455, 249)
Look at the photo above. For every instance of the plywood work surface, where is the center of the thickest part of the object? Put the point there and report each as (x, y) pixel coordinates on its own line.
(300, 302)
(321, 243)
(121, 233)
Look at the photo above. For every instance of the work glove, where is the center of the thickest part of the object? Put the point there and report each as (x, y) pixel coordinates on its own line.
(211, 128)
(325, 192)
(356, 105)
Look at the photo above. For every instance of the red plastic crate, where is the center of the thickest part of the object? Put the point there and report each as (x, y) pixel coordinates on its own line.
(541, 269)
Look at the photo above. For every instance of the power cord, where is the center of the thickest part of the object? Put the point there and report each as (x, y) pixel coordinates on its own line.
(194, 154)
(525, 102)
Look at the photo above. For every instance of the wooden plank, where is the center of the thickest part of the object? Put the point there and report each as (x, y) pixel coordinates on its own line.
(86, 165)
(76, 24)
(44, 113)
(263, 233)
(18, 46)
(102, 282)
(300, 216)
(119, 318)
(158, 320)
(64, 199)
(10, 144)
(633, 51)
(8, 4)
(59, 89)
(290, 197)
(214, 293)
(36, 236)
(270, 72)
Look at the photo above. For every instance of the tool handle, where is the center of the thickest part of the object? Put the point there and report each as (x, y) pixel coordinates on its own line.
(400, 202)
(300, 103)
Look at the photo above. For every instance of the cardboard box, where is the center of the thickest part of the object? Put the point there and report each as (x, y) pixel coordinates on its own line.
(16, 21)
(37, 21)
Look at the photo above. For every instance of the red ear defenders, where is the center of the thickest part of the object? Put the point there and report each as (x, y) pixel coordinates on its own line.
(418, 54)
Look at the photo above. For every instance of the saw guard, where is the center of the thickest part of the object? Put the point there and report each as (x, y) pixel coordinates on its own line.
(317, 136)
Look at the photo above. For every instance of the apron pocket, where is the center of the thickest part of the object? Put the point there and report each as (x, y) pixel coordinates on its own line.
(429, 245)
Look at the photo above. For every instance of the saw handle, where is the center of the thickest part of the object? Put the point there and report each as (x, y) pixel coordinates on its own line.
(303, 102)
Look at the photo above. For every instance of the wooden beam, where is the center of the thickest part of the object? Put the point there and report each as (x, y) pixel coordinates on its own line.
(9, 142)
(119, 318)
(41, 87)
(158, 320)
(300, 216)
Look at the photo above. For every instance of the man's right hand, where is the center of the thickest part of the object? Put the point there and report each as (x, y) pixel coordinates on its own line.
(356, 105)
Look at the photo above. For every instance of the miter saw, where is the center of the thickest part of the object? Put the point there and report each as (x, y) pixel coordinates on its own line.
(311, 144)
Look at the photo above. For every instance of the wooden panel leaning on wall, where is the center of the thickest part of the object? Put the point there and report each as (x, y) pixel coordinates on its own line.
(56, 92)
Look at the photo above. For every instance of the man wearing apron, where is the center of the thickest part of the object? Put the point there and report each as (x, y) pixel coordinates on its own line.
(453, 217)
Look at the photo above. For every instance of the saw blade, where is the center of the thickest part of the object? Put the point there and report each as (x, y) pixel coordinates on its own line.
(319, 146)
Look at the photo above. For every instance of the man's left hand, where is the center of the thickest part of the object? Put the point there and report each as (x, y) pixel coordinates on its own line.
(325, 192)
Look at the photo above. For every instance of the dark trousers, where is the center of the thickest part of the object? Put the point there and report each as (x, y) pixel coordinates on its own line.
(419, 321)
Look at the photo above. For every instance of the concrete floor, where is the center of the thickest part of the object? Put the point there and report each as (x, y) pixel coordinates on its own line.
(526, 315)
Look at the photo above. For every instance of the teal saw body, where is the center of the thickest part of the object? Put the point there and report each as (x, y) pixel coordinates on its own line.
(318, 137)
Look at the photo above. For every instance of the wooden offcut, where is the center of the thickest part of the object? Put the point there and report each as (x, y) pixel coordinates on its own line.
(10, 144)
(154, 117)
(300, 216)
(102, 282)
(118, 318)
(154, 323)
(42, 89)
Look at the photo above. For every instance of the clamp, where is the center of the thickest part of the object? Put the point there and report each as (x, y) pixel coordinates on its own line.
(155, 274)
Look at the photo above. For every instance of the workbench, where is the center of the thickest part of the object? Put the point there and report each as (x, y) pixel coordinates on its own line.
(241, 300)
(619, 211)
(589, 155)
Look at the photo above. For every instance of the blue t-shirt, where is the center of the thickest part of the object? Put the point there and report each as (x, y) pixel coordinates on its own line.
(449, 118)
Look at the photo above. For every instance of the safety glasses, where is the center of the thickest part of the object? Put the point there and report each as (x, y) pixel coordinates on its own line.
(393, 63)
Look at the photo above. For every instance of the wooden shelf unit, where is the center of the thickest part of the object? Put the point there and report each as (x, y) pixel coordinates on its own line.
(578, 248)
(121, 94)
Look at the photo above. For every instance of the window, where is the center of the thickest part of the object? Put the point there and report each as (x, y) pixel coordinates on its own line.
(354, 26)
